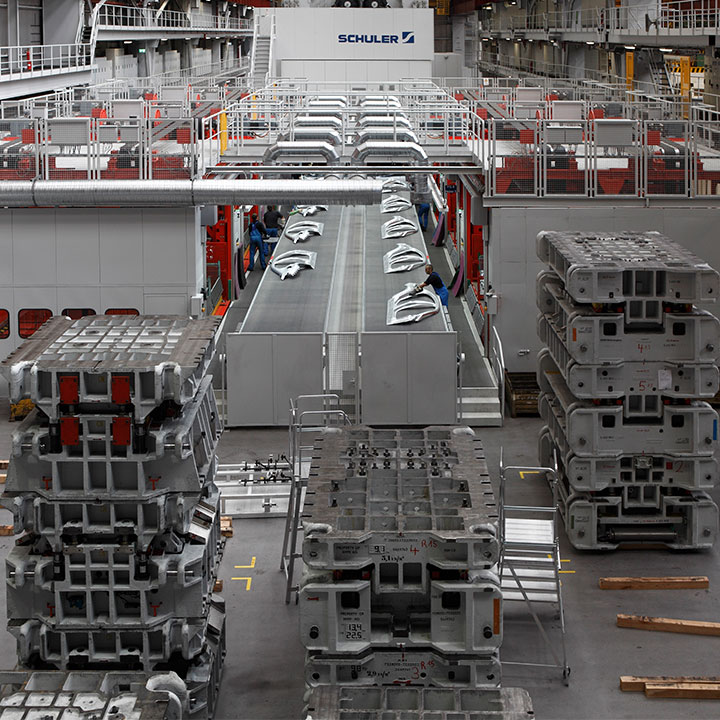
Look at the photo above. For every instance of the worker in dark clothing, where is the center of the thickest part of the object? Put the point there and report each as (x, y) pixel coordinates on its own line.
(438, 285)
(257, 233)
(423, 212)
(272, 219)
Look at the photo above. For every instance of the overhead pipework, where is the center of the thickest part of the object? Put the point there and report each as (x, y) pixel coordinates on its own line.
(183, 193)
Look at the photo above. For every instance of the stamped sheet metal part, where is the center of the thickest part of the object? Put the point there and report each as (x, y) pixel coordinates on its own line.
(303, 230)
(398, 227)
(392, 185)
(112, 360)
(422, 497)
(395, 204)
(289, 264)
(403, 257)
(626, 266)
(307, 210)
(411, 703)
(412, 305)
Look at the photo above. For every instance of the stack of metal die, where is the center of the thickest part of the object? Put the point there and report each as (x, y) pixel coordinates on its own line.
(400, 543)
(112, 486)
(629, 357)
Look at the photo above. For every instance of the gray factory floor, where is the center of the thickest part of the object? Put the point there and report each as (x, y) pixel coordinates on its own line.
(263, 675)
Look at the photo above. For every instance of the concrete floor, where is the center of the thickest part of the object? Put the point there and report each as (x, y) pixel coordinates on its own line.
(264, 667)
(263, 676)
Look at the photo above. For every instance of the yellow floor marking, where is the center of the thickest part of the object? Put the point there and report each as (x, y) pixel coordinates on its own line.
(251, 565)
(523, 473)
(247, 584)
(567, 572)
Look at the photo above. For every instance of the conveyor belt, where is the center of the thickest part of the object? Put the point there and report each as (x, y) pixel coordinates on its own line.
(379, 287)
(348, 290)
(298, 304)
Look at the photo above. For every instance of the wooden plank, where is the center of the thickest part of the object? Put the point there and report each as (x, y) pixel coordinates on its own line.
(4, 464)
(695, 691)
(636, 683)
(689, 627)
(680, 582)
(3, 477)
(7, 530)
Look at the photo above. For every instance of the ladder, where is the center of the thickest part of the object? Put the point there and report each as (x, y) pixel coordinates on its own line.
(314, 414)
(530, 561)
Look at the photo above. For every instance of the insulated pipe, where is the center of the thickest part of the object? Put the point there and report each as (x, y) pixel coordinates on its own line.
(179, 193)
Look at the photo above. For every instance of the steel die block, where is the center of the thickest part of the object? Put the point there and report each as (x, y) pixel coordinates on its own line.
(595, 522)
(616, 267)
(460, 617)
(411, 666)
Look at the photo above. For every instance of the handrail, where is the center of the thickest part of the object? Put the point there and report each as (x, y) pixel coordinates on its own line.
(271, 56)
(500, 355)
(256, 34)
(666, 18)
(23, 60)
(122, 16)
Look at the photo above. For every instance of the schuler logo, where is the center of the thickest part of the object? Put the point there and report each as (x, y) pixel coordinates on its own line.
(407, 38)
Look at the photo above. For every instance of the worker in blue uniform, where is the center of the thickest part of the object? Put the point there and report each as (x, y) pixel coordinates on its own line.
(438, 285)
(423, 211)
(257, 233)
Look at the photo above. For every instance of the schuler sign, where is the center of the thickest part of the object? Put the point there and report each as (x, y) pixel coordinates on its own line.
(406, 38)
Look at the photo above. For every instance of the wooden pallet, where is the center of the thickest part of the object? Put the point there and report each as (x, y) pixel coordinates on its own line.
(6, 530)
(218, 587)
(521, 393)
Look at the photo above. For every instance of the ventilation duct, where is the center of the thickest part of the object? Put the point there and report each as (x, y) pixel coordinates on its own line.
(301, 150)
(377, 150)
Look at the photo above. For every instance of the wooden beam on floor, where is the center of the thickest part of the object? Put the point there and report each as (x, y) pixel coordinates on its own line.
(660, 624)
(695, 691)
(636, 683)
(686, 582)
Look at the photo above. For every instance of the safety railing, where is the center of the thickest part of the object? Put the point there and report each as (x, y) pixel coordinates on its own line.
(90, 148)
(135, 18)
(28, 60)
(271, 56)
(604, 158)
(700, 17)
(556, 75)
(497, 363)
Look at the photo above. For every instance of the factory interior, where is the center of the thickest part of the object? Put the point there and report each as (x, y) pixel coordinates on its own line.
(359, 359)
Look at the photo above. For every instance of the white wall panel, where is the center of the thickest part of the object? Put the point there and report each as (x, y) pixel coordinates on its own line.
(121, 243)
(166, 304)
(79, 297)
(165, 241)
(121, 297)
(78, 247)
(354, 43)
(6, 249)
(34, 297)
(33, 235)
